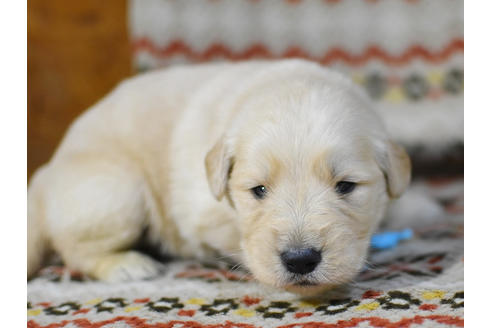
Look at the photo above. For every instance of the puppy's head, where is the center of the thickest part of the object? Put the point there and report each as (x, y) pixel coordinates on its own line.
(309, 169)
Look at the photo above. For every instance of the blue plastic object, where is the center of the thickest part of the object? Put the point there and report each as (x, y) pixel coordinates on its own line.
(390, 239)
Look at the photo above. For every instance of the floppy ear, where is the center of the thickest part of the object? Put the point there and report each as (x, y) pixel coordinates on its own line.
(218, 164)
(396, 166)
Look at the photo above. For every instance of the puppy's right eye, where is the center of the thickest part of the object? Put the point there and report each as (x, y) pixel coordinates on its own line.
(259, 192)
(345, 187)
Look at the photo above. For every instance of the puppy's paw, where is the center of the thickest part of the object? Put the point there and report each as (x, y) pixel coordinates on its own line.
(127, 266)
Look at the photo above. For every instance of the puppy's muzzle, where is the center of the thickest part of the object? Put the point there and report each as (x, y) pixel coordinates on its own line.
(301, 261)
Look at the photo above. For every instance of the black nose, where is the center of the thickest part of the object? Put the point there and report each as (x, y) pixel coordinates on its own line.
(301, 260)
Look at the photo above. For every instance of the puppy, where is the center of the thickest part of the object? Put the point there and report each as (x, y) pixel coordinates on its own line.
(282, 166)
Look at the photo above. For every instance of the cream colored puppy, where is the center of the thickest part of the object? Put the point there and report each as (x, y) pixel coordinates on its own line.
(282, 166)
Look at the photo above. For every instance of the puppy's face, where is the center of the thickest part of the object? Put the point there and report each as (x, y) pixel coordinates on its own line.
(310, 183)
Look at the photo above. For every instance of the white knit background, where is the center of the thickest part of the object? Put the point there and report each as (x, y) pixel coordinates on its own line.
(318, 27)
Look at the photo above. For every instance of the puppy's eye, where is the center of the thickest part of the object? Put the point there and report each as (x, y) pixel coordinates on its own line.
(259, 192)
(345, 187)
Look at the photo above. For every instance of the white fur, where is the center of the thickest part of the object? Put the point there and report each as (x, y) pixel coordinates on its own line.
(176, 152)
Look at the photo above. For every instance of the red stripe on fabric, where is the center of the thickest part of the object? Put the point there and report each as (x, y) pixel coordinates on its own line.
(352, 323)
(374, 52)
(382, 322)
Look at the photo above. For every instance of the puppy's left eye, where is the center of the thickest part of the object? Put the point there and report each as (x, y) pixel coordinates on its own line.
(259, 192)
(345, 187)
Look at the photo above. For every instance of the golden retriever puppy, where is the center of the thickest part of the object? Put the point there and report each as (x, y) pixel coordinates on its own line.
(282, 166)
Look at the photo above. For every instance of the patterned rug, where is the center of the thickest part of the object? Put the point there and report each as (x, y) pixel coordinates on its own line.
(417, 284)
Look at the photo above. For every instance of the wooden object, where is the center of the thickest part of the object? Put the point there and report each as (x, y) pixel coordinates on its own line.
(77, 51)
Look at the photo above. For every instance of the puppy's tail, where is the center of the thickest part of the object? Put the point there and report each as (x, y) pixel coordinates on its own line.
(37, 242)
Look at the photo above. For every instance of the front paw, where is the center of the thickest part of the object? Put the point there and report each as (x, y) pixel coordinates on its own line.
(127, 266)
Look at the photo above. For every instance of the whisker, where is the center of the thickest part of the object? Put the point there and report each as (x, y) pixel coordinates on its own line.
(230, 255)
(236, 267)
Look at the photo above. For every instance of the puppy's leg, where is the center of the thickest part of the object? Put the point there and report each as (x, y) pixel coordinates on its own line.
(96, 211)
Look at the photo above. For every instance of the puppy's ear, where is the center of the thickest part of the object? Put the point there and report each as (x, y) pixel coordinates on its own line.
(396, 166)
(218, 164)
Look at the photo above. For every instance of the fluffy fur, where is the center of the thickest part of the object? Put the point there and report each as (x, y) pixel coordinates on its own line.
(175, 153)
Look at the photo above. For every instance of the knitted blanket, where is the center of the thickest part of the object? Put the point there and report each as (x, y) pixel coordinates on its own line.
(417, 284)
(407, 54)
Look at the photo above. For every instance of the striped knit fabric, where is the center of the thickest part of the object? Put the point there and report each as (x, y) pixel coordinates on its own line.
(407, 54)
